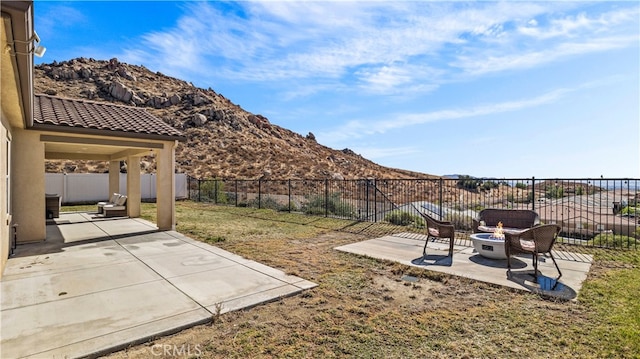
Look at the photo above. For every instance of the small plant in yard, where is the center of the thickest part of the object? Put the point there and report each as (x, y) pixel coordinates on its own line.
(610, 240)
(402, 218)
(333, 205)
(214, 239)
(266, 202)
(629, 210)
(459, 221)
(213, 190)
(215, 317)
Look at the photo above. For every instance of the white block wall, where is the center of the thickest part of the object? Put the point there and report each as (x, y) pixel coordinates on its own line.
(94, 187)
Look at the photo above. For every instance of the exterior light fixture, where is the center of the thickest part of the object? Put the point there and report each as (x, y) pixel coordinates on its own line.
(39, 51)
(34, 41)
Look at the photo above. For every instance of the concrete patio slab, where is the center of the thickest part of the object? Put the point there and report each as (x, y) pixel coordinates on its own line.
(406, 248)
(61, 327)
(50, 286)
(76, 296)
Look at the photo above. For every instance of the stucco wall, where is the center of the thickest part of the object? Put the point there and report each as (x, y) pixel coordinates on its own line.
(28, 196)
(5, 218)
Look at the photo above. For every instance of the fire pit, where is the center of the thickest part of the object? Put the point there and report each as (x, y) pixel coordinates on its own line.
(487, 246)
(490, 245)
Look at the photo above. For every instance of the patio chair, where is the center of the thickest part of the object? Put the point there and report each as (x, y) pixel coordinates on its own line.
(440, 230)
(117, 209)
(112, 200)
(535, 241)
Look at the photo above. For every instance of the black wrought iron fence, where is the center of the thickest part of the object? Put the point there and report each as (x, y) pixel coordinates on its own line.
(595, 212)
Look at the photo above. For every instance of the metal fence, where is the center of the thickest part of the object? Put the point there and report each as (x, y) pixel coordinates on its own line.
(594, 212)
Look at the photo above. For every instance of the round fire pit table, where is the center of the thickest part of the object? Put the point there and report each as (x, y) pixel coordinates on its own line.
(487, 246)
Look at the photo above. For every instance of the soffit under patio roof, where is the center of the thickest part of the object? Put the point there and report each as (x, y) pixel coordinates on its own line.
(97, 131)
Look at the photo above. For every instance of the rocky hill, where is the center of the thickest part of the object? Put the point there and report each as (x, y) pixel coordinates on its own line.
(223, 140)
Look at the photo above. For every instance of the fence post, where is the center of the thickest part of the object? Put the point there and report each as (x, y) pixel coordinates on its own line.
(236, 193)
(215, 188)
(289, 192)
(375, 200)
(366, 197)
(199, 199)
(326, 197)
(259, 194)
(533, 193)
(189, 187)
(440, 199)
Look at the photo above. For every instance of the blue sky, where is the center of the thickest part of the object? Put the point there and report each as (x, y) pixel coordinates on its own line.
(489, 89)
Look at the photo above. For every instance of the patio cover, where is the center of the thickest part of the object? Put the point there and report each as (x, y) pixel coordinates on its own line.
(75, 129)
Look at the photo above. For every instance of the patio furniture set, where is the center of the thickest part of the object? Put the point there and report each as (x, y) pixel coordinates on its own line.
(115, 207)
(502, 233)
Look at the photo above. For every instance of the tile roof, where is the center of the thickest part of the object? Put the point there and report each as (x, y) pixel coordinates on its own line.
(71, 115)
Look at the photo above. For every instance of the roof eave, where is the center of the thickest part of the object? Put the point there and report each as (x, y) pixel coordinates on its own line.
(101, 132)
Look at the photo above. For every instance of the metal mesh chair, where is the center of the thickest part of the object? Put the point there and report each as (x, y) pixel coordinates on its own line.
(535, 241)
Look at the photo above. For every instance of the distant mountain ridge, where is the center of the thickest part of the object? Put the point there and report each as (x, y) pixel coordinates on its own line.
(223, 140)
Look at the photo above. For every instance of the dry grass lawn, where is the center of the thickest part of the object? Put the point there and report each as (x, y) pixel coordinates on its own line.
(362, 308)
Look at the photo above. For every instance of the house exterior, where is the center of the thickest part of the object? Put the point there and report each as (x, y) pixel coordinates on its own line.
(39, 127)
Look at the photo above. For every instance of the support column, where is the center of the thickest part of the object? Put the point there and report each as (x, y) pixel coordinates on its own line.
(133, 186)
(28, 186)
(166, 187)
(114, 177)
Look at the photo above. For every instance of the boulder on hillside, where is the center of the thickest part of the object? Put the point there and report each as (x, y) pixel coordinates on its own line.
(348, 151)
(199, 119)
(123, 72)
(311, 136)
(174, 100)
(195, 120)
(199, 99)
(157, 102)
(113, 64)
(64, 73)
(120, 92)
(259, 121)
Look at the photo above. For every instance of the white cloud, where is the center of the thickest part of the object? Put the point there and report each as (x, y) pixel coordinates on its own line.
(384, 152)
(581, 25)
(478, 65)
(385, 48)
(359, 129)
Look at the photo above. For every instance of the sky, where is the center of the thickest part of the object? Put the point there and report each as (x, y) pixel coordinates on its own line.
(513, 89)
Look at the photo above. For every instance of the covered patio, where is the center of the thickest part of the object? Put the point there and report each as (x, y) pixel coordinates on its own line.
(70, 129)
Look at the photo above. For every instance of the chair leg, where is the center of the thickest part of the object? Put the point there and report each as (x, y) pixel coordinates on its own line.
(451, 243)
(556, 264)
(535, 266)
(424, 250)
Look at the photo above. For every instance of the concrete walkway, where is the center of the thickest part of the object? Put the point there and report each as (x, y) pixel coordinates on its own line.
(98, 285)
(406, 248)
